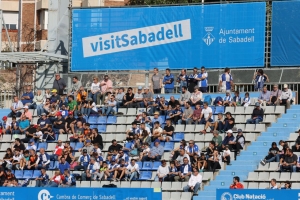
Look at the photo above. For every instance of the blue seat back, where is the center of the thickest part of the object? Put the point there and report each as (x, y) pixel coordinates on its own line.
(28, 174)
(42, 145)
(156, 165)
(92, 120)
(36, 173)
(18, 174)
(178, 137)
(219, 109)
(101, 128)
(101, 120)
(78, 145)
(169, 146)
(111, 120)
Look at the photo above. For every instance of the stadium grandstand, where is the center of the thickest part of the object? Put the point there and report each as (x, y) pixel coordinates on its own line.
(132, 109)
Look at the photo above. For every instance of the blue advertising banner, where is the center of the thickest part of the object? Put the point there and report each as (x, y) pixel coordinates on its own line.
(285, 38)
(214, 36)
(23, 193)
(227, 194)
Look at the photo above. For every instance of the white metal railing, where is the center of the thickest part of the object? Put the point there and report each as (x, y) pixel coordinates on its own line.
(6, 98)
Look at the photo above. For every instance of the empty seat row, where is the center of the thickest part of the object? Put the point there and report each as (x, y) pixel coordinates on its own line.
(279, 176)
(249, 110)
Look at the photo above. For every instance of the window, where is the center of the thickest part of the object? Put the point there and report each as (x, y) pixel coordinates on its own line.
(11, 20)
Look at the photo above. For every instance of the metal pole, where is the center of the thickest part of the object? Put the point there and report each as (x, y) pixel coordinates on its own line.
(34, 28)
(8, 38)
(19, 26)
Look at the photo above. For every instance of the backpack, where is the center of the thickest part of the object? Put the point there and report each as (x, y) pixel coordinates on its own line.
(109, 186)
(208, 99)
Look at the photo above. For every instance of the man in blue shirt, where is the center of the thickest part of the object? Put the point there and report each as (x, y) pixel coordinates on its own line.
(27, 97)
(226, 81)
(202, 80)
(69, 181)
(155, 152)
(43, 179)
(63, 165)
(176, 114)
(24, 124)
(185, 171)
(168, 81)
(44, 122)
(44, 161)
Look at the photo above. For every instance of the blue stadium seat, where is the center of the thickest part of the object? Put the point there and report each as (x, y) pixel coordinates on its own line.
(169, 146)
(93, 126)
(28, 174)
(101, 128)
(161, 143)
(101, 120)
(111, 120)
(162, 118)
(36, 174)
(53, 165)
(145, 175)
(78, 146)
(178, 137)
(147, 165)
(42, 145)
(128, 145)
(219, 109)
(156, 164)
(92, 120)
(19, 174)
(140, 164)
(73, 144)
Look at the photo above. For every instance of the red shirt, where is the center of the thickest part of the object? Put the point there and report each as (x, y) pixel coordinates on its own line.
(237, 186)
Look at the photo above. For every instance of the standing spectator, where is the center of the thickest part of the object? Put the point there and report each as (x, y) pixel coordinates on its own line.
(197, 114)
(264, 96)
(106, 87)
(185, 171)
(237, 100)
(226, 81)
(187, 114)
(110, 106)
(236, 183)
(119, 97)
(239, 142)
(59, 84)
(206, 114)
(259, 80)
(192, 82)
(202, 80)
(147, 97)
(185, 96)
(168, 81)
(16, 108)
(38, 100)
(196, 97)
(128, 98)
(76, 85)
(43, 179)
(156, 82)
(194, 182)
(162, 171)
(155, 152)
(273, 184)
(257, 115)
(27, 97)
(286, 97)
(167, 134)
(274, 96)
(289, 162)
(182, 79)
(95, 90)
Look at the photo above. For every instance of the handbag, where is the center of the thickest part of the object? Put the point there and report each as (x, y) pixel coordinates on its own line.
(133, 152)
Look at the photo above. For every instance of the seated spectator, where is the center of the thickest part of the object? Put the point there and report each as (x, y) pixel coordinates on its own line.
(236, 100)
(163, 106)
(83, 161)
(27, 114)
(155, 153)
(52, 114)
(286, 97)
(184, 172)
(27, 97)
(63, 101)
(4, 126)
(88, 147)
(13, 127)
(154, 106)
(122, 156)
(156, 118)
(112, 167)
(156, 132)
(49, 134)
(33, 161)
(31, 145)
(63, 165)
(68, 156)
(114, 147)
(81, 98)
(78, 133)
(180, 158)
(42, 179)
(206, 114)
(257, 115)
(185, 96)
(44, 122)
(217, 138)
(57, 151)
(96, 138)
(264, 96)
(7, 159)
(194, 182)
(202, 162)
(246, 100)
(16, 108)
(239, 142)
(56, 180)
(72, 104)
(119, 97)
(289, 162)
(44, 160)
(45, 108)
(69, 180)
(175, 153)
(210, 149)
(197, 114)
(227, 124)
(133, 171)
(16, 159)
(121, 170)
(23, 160)
(55, 98)
(196, 97)
(95, 90)
(172, 172)
(132, 131)
(176, 114)
(144, 118)
(128, 98)
(271, 157)
(168, 132)
(236, 183)
(228, 140)
(274, 96)
(273, 184)
(38, 100)
(147, 97)
(192, 150)
(213, 161)
(59, 124)
(93, 169)
(106, 88)
(187, 114)
(287, 185)
(110, 106)
(70, 123)
(18, 145)
(226, 155)
(227, 101)
(162, 171)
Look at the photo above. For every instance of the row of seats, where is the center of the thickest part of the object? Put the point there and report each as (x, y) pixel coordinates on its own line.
(272, 166)
(264, 185)
(248, 110)
(267, 176)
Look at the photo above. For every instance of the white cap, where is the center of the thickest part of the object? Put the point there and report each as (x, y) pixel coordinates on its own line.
(229, 131)
(25, 107)
(285, 86)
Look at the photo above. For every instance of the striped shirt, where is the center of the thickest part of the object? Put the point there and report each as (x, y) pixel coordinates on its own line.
(226, 79)
(204, 82)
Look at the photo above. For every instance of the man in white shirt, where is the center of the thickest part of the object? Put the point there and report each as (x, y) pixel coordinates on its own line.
(157, 131)
(206, 114)
(31, 145)
(110, 107)
(133, 170)
(273, 184)
(286, 96)
(162, 171)
(93, 168)
(16, 108)
(138, 99)
(181, 156)
(194, 182)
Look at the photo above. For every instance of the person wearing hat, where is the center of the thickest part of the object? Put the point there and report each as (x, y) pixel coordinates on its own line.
(27, 97)
(55, 98)
(4, 126)
(155, 153)
(265, 96)
(83, 160)
(286, 97)
(110, 106)
(228, 140)
(156, 118)
(168, 81)
(16, 108)
(257, 115)
(274, 96)
(147, 97)
(128, 98)
(27, 113)
(59, 84)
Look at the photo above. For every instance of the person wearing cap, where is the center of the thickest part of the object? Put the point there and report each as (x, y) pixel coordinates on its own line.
(168, 81)
(156, 81)
(185, 96)
(27, 113)
(274, 96)
(110, 106)
(70, 122)
(27, 97)
(236, 183)
(239, 142)
(31, 145)
(228, 140)
(59, 84)
(257, 115)
(55, 98)
(119, 97)
(5, 125)
(162, 171)
(155, 153)
(128, 98)
(59, 124)
(44, 122)
(196, 97)
(80, 118)
(156, 118)
(132, 171)
(83, 160)
(23, 124)
(194, 183)
(16, 108)
(264, 96)
(147, 97)
(286, 97)
(226, 81)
